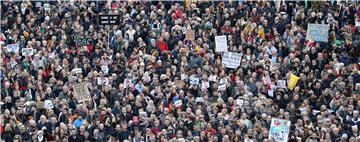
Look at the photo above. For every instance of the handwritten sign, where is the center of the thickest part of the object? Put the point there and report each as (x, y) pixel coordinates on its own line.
(190, 34)
(80, 40)
(48, 104)
(221, 44)
(317, 32)
(109, 19)
(12, 48)
(279, 130)
(231, 59)
(82, 93)
(27, 52)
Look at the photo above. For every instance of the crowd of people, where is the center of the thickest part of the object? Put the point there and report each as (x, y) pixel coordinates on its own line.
(146, 81)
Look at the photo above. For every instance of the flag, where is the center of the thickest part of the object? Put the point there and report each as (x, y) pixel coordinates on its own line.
(293, 81)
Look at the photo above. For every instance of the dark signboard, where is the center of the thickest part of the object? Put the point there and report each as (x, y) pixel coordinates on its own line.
(109, 19)
(80, 40)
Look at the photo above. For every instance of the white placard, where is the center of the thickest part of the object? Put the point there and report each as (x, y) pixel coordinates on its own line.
(279, 130)
(76, 71)
(103, 81)
(47, 7)
(105, 69)
(221, 43)
(222, 87)
(48, 104)
(231, 59)
(12, 48)
(199, 100)
(27, 52)
(281, 84)
(195, 80)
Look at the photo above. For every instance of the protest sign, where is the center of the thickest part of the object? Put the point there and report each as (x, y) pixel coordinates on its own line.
(103, 81)
(40, 104)
(194, 80)
(27, 52)
(47, 7)
(190, 34)
(48, 104)
(82, 93)
(105, 69)
(109, 19)
(293, 81)
(279, 130)
(281, 84)
(179, 83)
(221, 43)
(80, 40)
(317, 32)
(231, 59)
(12, 48)
(178, 103)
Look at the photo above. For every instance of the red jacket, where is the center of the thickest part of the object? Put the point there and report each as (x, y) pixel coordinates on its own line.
(163, 46)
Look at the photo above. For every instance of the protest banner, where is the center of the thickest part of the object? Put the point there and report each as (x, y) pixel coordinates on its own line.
(317, 32)
(293, 81)
(109, 19)
(279, 130)
(82, 93)
(12, 48)
(231, 59)
(27, 52)
(80, 40)
(190, 34)
(221, 44)
(48, 104)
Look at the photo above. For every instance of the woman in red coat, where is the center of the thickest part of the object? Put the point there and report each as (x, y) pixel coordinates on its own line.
(162, 44)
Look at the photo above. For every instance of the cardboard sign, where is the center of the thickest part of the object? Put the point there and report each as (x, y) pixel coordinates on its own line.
(80, 40)
(109, 19)
(231, 59)
(179, 83)
(27, 52)
(190, 34)
(82, 93)
(12, 48)
(48, 104)
(279, 130)
(318, 32)
(221, 44)
(40, 104)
